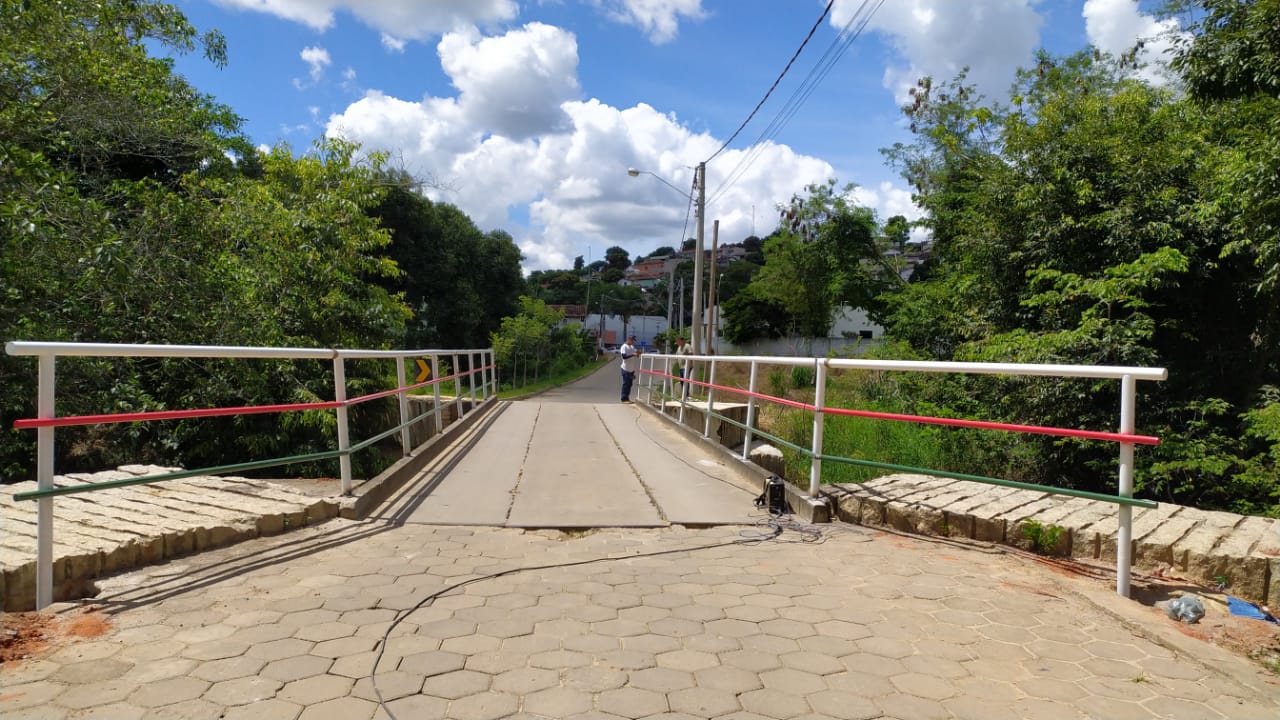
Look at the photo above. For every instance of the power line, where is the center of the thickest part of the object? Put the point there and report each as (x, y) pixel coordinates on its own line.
(848, 34)
(774, 86)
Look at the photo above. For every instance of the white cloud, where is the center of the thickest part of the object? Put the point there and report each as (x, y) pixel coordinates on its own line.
(317, 58)
(392, 43)
(517, 142)
(411, 19)
(659, 19)
(513, 84)
(888, 200)
(1116, 26)
(940, 38)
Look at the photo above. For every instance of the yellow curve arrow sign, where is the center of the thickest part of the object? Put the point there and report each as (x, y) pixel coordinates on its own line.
(424, 371)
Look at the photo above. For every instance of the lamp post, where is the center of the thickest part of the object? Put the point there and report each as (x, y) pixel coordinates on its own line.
(700, 182)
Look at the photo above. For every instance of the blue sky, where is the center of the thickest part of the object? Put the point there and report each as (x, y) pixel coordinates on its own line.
(526, 115)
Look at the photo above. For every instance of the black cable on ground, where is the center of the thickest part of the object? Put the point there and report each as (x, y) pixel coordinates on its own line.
(386, 636)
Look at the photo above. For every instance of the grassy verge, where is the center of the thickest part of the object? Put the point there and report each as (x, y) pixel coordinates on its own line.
(507, 392)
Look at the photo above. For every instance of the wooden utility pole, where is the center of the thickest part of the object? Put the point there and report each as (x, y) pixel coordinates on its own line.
(711, 288)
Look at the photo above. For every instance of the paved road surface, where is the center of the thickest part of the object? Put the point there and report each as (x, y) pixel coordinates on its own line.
(863, 625)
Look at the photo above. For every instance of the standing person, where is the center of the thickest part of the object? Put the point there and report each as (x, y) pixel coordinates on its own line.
(630, 350)
(682, 366)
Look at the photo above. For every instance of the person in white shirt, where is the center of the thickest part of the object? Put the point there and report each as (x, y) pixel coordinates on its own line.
(682, 365)
(629, 351)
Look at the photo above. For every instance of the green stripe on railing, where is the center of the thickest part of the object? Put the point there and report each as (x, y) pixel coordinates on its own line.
(383, 435)
(149, 479)
(807, 452)
(1117, 499)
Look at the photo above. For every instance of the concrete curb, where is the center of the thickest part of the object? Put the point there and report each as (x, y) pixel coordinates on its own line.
(813, 510)
(368, 495)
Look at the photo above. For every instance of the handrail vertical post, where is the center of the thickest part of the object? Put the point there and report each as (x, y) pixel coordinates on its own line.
(1124, 532)
(484, 374)
(471, 376)
(819, 417)
(751, 411)
(435, 389)
(457, 388)
(44, 481)
(668, 385)
(344, 433)
(711, 398)
(648, 378)
(403, 398)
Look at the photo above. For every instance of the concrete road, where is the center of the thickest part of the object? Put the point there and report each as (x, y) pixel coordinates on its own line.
(577, 457)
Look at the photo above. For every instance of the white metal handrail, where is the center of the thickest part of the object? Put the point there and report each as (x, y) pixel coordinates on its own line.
(48, 352)
(1128, 377)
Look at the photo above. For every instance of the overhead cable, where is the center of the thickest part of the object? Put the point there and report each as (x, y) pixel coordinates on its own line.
(774, 86)
(848, 34)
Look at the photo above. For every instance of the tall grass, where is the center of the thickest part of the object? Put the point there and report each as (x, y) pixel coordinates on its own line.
(929, 447)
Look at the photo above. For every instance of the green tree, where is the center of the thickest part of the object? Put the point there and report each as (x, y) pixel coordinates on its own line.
(617, 258)
(458, 282)
(896, 232)
(533, 341)
(1085, 224)
(823, 254)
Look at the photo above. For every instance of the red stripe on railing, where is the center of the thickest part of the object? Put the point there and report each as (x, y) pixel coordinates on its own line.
(71, 420)
(929, 420)
(406, 388)
(748, 393)
(115, 418)
(985, 425)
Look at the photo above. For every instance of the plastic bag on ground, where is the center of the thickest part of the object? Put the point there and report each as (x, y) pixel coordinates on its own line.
(1187, 609)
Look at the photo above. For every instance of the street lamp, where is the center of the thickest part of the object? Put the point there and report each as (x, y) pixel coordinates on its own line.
(699, 181)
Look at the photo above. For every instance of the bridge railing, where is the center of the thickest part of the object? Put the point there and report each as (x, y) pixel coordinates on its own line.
(480, 377)
(657, 369)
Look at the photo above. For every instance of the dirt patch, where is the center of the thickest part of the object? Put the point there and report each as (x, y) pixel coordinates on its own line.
(1252, 638)
(28, 635)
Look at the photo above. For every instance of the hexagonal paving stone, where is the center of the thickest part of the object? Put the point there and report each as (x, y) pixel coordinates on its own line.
(523, 681)
(594, 679)
(280, 649)
(243, 690)
(924, 686)
(792, 681)
(627, 660)
(557, 702)
(773, 703)
(632, 702)
(846, 706)
(168, 692)
(296, 668)
(703, 702)
(90, 694)
(485, 706)
(662, 680)
(432, 663)
(559, 659)
(107, 668)
(652, 644)
(317, 688)
(457, 684)
(417, 706)
(687, 660)
(229, 668)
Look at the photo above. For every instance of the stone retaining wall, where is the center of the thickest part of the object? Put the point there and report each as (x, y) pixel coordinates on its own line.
(1203, 546)
(107, 531)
